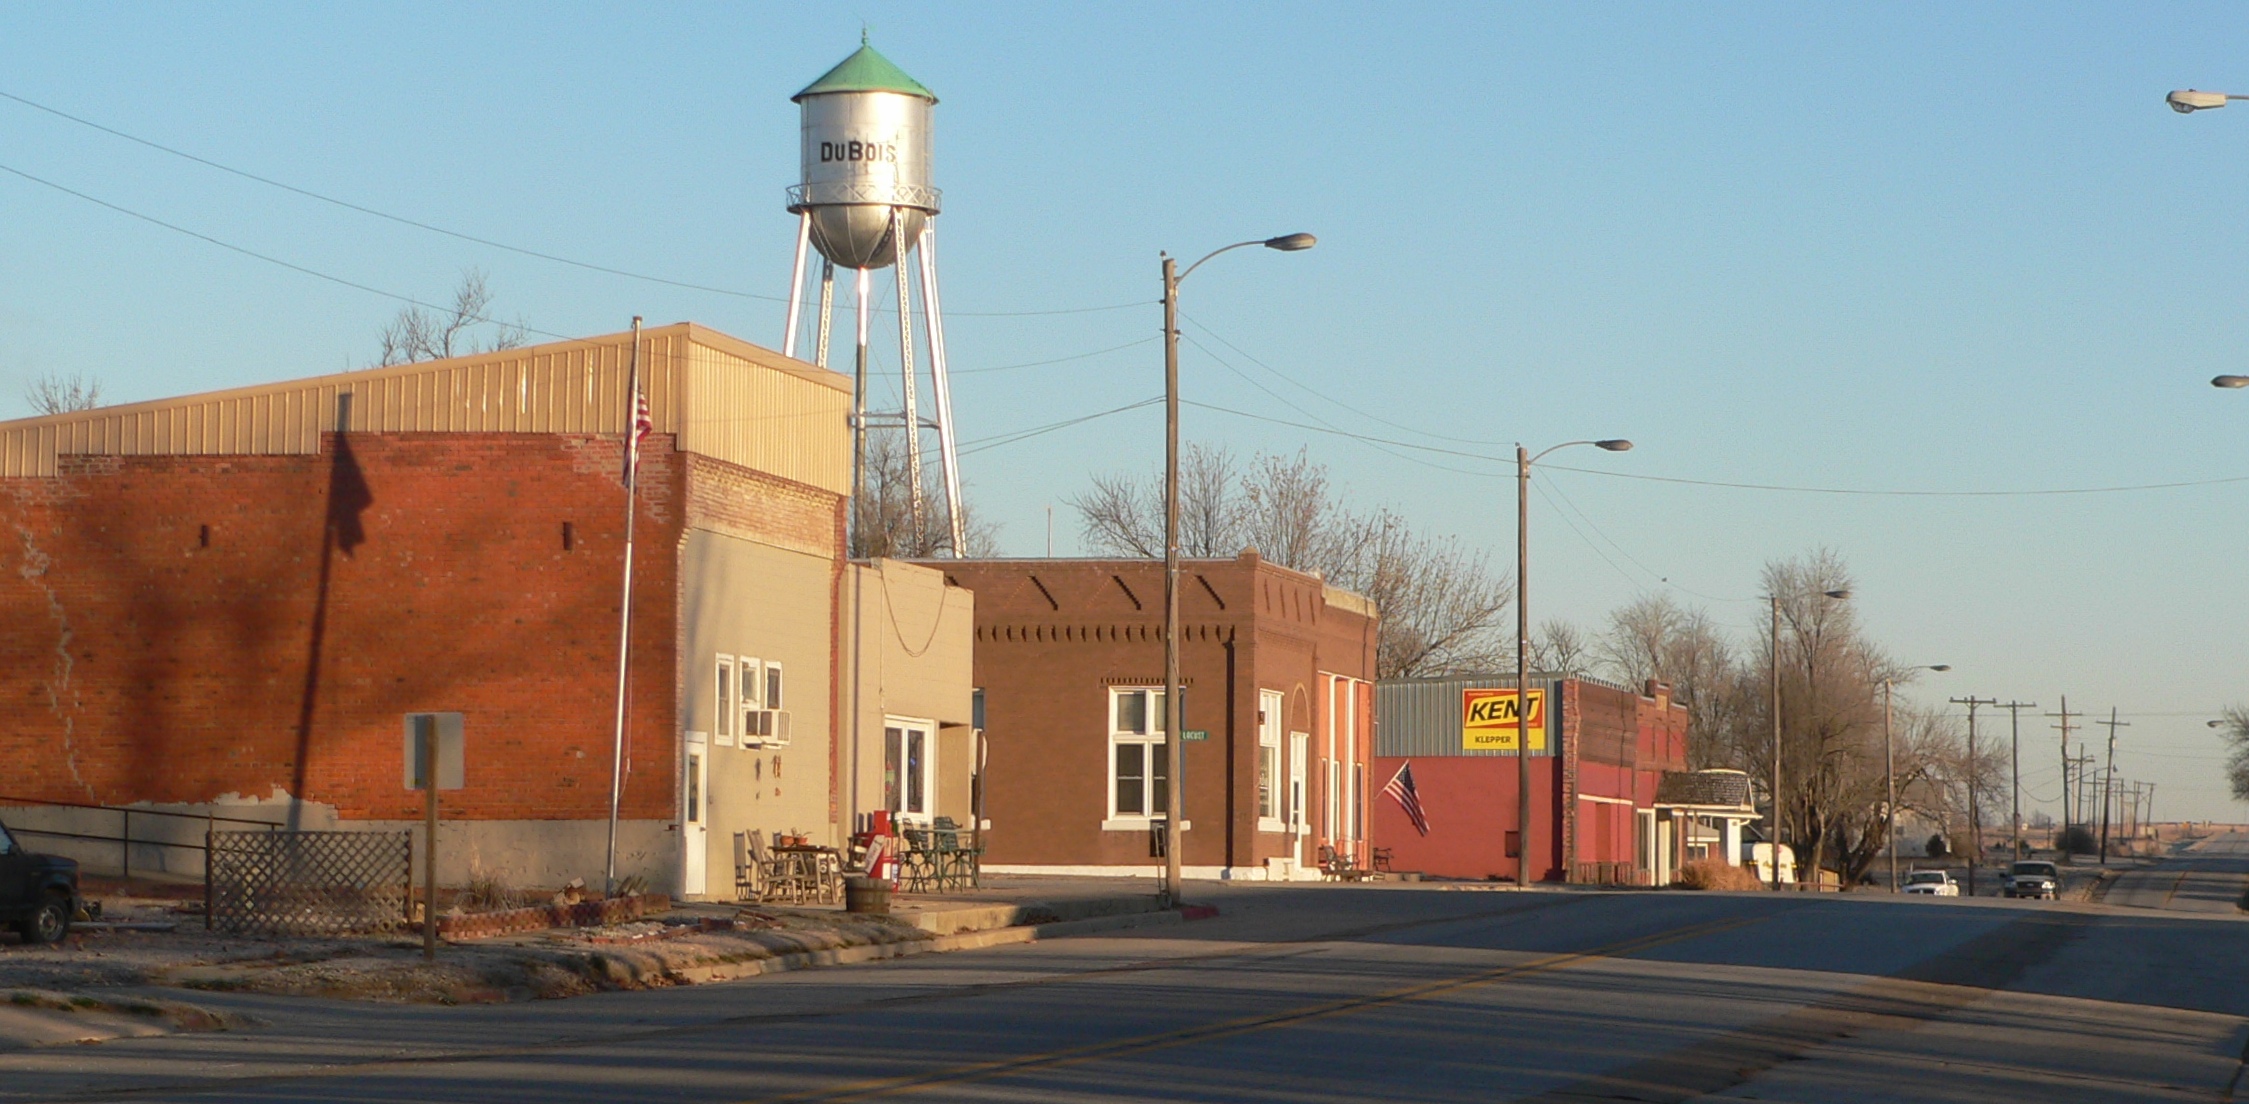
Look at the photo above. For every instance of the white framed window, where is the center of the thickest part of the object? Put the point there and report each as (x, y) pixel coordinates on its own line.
(909, 769)
(773, 698)
(1138, 782)
(1269, 797)
(749, 685)
(723, 717)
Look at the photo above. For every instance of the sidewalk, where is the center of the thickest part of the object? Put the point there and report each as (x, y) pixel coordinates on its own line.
(73, 992)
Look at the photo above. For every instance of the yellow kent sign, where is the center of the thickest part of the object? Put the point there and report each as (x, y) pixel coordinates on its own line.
(1491, 718)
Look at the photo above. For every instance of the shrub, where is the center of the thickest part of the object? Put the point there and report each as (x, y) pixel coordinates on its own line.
(2079, 840)
(1937, 848)
(1715, 874)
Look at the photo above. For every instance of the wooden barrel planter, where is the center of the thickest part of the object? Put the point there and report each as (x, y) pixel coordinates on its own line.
(866, 895)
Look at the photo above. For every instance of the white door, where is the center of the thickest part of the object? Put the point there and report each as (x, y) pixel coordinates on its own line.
(909, 771)
(1299, 746)
(694, 823)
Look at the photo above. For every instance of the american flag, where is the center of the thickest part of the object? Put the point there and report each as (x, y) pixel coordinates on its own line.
(1400, 788)
(643, 425)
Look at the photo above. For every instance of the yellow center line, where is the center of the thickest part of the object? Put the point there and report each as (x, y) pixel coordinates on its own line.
(1141, 1044)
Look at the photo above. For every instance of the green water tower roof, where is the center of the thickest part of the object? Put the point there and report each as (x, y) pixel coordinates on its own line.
(865, 71)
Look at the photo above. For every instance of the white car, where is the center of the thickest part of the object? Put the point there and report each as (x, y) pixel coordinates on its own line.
(1932, 883)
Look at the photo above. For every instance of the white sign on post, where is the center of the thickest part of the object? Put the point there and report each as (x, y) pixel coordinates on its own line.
(450, 773)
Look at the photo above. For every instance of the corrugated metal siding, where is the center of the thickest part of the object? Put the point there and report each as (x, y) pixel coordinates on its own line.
(777, 417)
(767, 418)
(1422, 716)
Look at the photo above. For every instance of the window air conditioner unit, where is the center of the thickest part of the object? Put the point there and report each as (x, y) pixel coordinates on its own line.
(766, 727)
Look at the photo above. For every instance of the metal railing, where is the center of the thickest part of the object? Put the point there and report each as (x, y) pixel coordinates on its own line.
(124, 837)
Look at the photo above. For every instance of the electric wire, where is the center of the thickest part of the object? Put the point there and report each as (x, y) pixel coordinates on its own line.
(254, 254)
(488, 242)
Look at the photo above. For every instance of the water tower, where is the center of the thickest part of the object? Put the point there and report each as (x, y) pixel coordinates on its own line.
(866, 203)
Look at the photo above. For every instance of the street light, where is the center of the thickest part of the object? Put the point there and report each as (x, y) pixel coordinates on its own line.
(1523, 462)
(1772, 817)
(2230, 381)
(2187, 101)
(1890, 768)
(1174, 711)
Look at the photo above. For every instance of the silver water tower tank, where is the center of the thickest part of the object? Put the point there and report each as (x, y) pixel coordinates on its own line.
(866, 130)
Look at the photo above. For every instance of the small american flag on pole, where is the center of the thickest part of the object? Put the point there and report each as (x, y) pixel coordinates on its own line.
(643, 425)
(1400, 788)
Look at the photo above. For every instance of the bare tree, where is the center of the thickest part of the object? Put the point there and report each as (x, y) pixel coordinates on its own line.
(1560, 648)
(1655, 638)
(419, 333)
(55, 393)
(1440, 605)
(1442, 608)
(1286, 512)
(884, 521)
(1124, 516)
(2234, 729)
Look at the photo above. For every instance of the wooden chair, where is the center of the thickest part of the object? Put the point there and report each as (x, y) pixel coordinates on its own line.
(1382, 859)
(745, 872)
(778, 878)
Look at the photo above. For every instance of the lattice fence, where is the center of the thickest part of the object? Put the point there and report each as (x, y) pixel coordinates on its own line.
(309, 883)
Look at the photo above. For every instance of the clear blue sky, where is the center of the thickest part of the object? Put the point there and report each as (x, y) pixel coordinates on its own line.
(1893, 248)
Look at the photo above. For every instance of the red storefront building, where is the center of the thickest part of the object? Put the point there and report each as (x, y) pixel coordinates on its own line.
(1277, 668)
(1598, 754)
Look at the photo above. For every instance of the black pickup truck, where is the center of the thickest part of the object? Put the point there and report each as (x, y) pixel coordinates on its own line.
(38, 893)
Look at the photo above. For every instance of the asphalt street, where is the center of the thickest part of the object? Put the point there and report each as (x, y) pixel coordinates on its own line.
(2209, 876)
(1334, 993)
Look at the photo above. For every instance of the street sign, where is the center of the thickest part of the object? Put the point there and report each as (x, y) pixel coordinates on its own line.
(1193, 734)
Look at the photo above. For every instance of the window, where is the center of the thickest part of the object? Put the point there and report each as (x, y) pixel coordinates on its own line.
(1138, 783)
(748, 685)
(773, 686)
(1269, 705)
(722, 723)
(694, 788)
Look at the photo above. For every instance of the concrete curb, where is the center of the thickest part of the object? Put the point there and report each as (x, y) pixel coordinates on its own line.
(958, 941)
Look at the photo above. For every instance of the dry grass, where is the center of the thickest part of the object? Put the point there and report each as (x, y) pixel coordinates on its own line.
(1713, 874)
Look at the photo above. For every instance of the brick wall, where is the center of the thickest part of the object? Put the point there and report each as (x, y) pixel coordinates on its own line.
(180, 628)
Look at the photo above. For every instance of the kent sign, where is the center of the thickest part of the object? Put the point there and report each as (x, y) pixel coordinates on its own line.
(1490, 720)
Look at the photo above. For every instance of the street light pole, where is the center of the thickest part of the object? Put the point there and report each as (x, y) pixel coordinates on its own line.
(1174, 713)
(1523, 462)
(1890, 770)
(1772, 815)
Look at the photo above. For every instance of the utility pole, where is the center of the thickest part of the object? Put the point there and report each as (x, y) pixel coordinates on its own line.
(2015, 715)
(1975, 817)
(2108, 777)
(2067, 794)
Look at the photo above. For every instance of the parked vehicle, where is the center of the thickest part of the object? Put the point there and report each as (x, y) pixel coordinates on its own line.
(1758, 857)
(2031, 878)
(1931, 883)
(38, 893)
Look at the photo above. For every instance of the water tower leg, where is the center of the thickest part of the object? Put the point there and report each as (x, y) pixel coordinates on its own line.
(827, 310)
(942, 382)
(911, 422)
(859, 417)
(796, 285)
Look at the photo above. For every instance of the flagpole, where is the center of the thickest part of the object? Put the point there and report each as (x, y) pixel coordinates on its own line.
(625, 616)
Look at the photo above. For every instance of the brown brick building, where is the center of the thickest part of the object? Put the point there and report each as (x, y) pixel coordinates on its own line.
(1277, 669)
(230, 602)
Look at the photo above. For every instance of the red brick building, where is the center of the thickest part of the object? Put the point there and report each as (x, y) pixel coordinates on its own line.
(1594, 816)
(231, 601)
(1276, 667)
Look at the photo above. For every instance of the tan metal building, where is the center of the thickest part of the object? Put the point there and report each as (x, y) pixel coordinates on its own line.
(229, 601)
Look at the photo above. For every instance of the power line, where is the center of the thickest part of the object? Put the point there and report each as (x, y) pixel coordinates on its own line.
(1903, 493)
(472, 238)
(254, 254)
